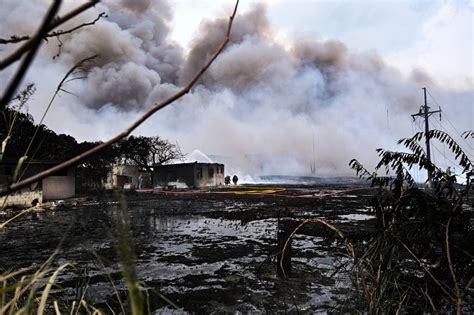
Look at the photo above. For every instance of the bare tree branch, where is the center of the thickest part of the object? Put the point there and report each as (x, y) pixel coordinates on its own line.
(16, 39)
(59, 88)
(60, 32)
(133, 126)
(35, 43)
(53, 24)
(453, 274)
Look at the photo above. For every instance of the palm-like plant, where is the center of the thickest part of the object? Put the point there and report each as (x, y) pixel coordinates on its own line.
(420, 257)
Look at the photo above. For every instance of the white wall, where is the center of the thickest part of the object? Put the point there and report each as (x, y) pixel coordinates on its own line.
(59, 187)
(21, 199)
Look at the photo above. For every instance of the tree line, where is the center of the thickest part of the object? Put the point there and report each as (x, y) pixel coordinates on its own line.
(21, 137)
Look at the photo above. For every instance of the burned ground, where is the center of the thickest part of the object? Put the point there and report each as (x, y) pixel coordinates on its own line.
(204, 251)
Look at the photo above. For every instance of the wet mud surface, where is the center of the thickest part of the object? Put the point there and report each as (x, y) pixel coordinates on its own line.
(201, 252)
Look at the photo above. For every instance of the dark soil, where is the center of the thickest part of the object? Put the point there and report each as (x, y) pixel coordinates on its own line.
(204, 251)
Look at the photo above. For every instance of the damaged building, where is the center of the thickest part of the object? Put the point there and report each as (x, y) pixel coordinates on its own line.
(60, 185)
(122, 176)
(193, 175)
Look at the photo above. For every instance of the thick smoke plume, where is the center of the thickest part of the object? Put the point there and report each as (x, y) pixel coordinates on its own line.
(260, 105)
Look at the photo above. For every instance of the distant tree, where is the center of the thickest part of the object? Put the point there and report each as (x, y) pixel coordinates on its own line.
(146, 152)
(23, 137)
(17, 131)
(29, 49)
(93, 171)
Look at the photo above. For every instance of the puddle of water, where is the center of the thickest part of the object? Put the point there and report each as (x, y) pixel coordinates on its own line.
(200, 263)
(356, 217)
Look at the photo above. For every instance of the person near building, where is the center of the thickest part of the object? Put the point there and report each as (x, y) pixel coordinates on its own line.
(235, 179)
(140, 181)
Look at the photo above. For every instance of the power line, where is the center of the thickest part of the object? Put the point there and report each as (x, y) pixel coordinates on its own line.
(460, 135)
(449, 121)
(444, 145)
(425, 113)
(418, 124)
(445, 157)
(466, 150)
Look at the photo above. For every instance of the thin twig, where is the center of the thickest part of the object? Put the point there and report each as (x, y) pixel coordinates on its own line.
(338, 232)
(433, 307)
(451, 269)
(75, 160)
(349, 247)
(16, 39)
(23, 212)
(58, 89)
(35, 43)
(428, 272)
(53, 24)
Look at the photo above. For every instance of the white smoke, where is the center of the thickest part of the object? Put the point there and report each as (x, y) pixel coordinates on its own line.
(258, 107)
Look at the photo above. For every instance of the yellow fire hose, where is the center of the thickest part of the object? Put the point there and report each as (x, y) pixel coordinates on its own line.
(252, 191)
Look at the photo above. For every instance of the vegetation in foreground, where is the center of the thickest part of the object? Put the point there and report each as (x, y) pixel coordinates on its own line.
(420, 258)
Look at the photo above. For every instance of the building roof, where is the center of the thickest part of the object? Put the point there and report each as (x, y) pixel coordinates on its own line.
(185, 164)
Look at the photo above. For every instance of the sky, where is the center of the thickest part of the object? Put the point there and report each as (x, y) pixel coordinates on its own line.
(344, 76)
(434, 35)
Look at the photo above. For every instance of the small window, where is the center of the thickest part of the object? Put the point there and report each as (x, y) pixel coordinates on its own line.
(199, 172)
(211, 172)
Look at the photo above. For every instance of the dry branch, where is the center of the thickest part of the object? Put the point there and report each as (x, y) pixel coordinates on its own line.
(453, 275)
(426, 270)
(75, 160)
(347, 243)
(35, 43)
(51, 26)
(16, 39)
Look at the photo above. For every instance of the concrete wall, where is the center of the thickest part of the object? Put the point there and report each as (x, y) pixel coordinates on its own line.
(192, 174)
(165, 175)
(22, 198)
(123, 176)
(208, 175)
(59, 187)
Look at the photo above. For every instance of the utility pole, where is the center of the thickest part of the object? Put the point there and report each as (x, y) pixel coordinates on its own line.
(425, 113)
(313, 163)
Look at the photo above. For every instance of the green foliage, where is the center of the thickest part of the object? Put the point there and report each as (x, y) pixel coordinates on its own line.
(420, 257)
(20, 133)
(17, 129)
(127, 259)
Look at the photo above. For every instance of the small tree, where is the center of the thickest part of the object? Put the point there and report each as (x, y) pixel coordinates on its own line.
(420, 257)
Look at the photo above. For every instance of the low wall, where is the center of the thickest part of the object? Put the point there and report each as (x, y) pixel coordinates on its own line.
(21, 199)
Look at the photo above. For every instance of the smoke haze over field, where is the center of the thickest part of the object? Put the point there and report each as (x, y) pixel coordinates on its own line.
(260, 98)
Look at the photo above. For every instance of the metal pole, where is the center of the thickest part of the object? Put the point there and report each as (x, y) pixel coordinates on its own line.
(427, 128)
(425, 113)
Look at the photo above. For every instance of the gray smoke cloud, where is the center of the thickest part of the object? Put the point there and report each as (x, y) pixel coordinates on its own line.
(259, 106)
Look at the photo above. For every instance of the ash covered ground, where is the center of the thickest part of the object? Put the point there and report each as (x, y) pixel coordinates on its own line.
(208, 250)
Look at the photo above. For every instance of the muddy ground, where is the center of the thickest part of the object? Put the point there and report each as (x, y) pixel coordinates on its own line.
(210, 251)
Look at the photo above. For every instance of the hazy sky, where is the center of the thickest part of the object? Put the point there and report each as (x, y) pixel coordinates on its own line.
(434, 35)
(344, 75)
